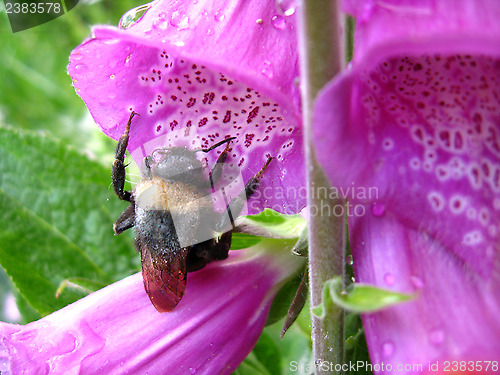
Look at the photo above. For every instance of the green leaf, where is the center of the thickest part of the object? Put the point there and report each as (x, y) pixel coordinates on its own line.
(276, 356)
(359, 298)
(57, 215)
(275, 224)
(356, 350)
(270, 224)
(303, 322)
(268, 354)
(243, 241)
(353, 329)
(35, 89)
(283, 299)
(28, 313)
(326, 304)
(263, 360)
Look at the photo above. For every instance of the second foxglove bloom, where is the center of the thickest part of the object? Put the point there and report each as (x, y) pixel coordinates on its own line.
(415, 123)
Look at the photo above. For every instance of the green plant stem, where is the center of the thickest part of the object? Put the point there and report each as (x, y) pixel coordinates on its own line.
(321, 59)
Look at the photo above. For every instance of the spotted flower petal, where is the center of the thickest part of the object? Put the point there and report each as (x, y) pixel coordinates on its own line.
(198, 72)
(410, 133)
(116, 330)
(454, 317)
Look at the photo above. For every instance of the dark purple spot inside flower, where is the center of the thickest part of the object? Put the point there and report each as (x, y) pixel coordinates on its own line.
(458, 141)
(192, 102)
(252, 114)
(208, 98)
(227, 117)
(444, 136)
(248, 139)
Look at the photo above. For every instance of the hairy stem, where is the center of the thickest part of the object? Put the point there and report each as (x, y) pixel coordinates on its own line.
(321, 59)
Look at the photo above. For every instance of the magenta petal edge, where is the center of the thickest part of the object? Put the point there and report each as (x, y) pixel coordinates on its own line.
(410, 131)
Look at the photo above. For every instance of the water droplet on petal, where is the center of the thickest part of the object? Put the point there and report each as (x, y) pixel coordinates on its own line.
(219, 16)
(278, 22)
(388, 349)
(389, 279)
(371, 321)
(416, 282)
(77, 56)
(161, 21)
(267, 70)
(287, 7)
(378, 209)
(80, 67)
(436, 336)
(132, 16)
(179, 20)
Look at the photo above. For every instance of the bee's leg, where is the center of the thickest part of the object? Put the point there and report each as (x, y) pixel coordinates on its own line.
(126, 219)
(216, 172)
(118, 169)
(236, 205)
(205, 252)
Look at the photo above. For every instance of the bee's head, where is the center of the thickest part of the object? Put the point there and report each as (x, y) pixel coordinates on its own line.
(172, 163)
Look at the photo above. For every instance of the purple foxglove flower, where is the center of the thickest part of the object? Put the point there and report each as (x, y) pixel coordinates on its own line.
(198, 72)
(410, 134)
(116, 330)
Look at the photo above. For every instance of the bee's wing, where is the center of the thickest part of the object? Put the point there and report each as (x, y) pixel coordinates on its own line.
(164, 281)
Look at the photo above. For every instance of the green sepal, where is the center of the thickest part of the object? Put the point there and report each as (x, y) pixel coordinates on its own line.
(272, 224)
(360, 298)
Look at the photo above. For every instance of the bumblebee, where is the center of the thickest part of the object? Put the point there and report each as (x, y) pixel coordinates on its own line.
(177, 228)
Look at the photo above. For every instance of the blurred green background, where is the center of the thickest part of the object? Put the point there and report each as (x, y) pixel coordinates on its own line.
(35, 90)
(36, 93)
